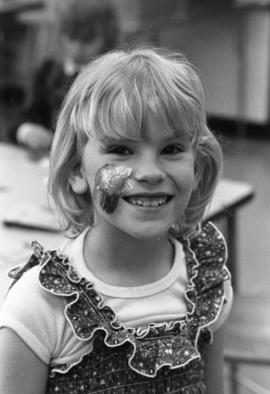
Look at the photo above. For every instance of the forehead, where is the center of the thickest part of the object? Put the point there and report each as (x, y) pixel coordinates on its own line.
(157, 127)
(136, 117)
(129, 98)
(152, 130)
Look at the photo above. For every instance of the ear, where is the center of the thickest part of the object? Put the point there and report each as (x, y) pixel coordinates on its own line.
(78, 181)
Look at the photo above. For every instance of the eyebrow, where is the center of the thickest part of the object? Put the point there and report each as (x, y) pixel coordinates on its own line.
(116, 140)
(184, 137)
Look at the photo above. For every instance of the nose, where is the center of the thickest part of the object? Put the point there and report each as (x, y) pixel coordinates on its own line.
(149, 170)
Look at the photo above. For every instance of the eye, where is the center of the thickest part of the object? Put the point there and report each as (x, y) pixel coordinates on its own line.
(172, 149)
(121, 150)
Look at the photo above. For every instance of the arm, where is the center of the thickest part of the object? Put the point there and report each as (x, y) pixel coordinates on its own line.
(214, 363)
(34, 136)
(21, 371)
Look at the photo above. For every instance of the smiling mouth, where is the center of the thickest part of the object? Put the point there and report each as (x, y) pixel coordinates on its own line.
(148, 202)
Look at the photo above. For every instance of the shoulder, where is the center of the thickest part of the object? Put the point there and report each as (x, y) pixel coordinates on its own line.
(209, 242)
(206, 256)
(28, 290)
(34, 314)
(27, 294)
(206, 253)
(28, 303)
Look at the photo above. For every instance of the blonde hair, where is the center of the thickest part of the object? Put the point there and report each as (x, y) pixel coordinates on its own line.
(111, 97)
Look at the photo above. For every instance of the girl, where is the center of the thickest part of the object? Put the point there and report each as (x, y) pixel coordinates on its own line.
(136, 301)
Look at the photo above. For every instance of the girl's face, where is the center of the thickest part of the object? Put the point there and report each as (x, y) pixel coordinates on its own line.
(162, 180)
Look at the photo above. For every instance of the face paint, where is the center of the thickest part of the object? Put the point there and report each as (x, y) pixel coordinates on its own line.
(110, 183)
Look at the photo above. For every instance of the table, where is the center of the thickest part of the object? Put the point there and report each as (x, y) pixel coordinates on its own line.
(229, 197)
(22, 180)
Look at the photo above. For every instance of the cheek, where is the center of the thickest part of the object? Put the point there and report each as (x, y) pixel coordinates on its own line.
(185, 177)
(110, 183)
(89, 169)
(190, 172)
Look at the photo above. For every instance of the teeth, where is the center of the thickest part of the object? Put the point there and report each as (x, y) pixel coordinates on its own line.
(148, 202)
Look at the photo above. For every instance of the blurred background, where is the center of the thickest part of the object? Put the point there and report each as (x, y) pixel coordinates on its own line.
(229, 42)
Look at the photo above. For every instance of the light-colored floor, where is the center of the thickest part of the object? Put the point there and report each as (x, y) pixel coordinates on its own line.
(249, 160)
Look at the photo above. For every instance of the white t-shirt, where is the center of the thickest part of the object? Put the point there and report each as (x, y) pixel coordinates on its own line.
(38, 317)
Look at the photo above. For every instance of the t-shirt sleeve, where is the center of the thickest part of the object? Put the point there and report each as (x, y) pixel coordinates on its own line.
(226, 307)
(219, 239)
(35, 315)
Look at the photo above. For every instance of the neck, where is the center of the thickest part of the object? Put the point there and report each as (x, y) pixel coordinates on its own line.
(126, 261)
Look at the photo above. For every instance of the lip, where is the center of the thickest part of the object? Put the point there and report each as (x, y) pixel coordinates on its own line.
(148, 196)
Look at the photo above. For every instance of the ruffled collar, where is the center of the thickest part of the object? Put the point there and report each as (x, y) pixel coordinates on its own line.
(173, 344)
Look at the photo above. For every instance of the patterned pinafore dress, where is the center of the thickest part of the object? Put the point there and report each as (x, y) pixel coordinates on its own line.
(164, 358)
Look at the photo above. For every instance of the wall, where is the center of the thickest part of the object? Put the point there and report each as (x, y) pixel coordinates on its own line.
(255, 60)
(229, 45)
(212, 45)
(228, 42)
(231, 52)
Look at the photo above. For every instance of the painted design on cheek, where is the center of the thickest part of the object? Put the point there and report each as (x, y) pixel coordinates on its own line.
(110, 183)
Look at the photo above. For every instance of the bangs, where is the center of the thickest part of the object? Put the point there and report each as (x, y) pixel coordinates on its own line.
(119, 104)
(126, 115)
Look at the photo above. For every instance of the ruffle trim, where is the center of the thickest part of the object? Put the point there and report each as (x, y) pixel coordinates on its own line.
(173, 344)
